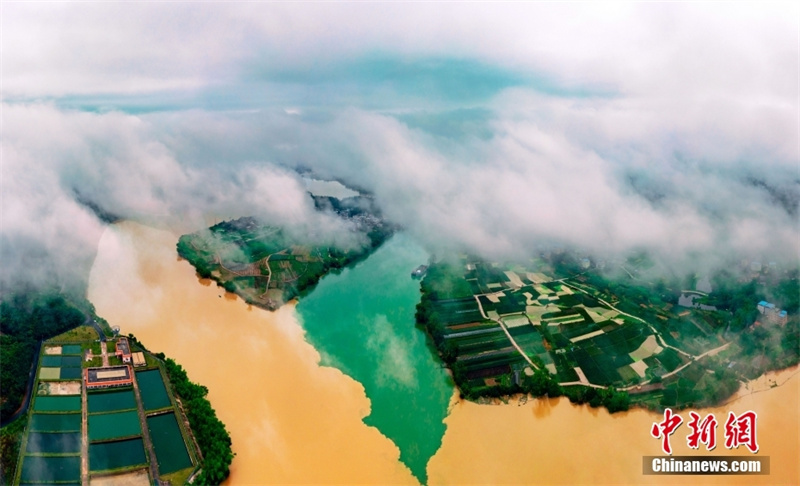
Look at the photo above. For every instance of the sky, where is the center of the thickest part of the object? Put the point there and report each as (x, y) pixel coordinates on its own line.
(484, 127)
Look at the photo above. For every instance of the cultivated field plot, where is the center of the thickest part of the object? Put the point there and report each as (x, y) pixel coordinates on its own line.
(57, 422)
(114, 425)
(110, 401)
(39, 469)
(599, 360)
(508, 303)
(531, 341)
(152, 390)
(565, 368)
(491, 364)
(458, 311)
(668, 359)
(54, 443)
(494, 340)
(168, 442)
(69, 403)
(550, 321)
(117, 454)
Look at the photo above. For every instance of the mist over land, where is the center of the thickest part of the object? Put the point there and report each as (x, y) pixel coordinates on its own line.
(668, 128)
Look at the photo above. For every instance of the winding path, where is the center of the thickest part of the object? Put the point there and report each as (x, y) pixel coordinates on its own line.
(692, 358)
(655, 331)
(505, 330)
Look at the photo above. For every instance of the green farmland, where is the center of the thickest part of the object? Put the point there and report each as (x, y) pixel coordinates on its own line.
(556, 327)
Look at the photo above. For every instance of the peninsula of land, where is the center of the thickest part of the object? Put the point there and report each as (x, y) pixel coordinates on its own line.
(267, 266)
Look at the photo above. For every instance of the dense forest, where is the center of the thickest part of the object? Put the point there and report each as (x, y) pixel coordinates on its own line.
(26, 320)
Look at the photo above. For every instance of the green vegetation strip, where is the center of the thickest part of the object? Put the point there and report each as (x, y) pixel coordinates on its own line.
(61, 422)
(113, 425)
(168, 443)
(110, 401)
(54, 443)
(117, 454)
(57, 404)
(151, 388)
(37, 469)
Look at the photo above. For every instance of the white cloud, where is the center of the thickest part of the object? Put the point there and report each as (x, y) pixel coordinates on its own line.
(692, 146)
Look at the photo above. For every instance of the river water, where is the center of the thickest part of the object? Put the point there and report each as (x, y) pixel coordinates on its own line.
(294, 420)
(362, 322)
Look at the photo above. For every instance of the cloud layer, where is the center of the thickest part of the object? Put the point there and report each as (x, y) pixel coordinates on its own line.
(667, 127)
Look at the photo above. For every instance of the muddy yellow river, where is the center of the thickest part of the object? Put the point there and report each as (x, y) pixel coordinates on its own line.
(293, 421)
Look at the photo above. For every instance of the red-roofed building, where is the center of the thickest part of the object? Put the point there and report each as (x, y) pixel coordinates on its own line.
(108, 377)
(123, 350)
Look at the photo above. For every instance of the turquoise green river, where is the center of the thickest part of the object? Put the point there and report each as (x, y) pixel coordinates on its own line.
(362, 322)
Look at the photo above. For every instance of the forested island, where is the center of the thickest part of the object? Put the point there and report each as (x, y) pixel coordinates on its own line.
(267, 266)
